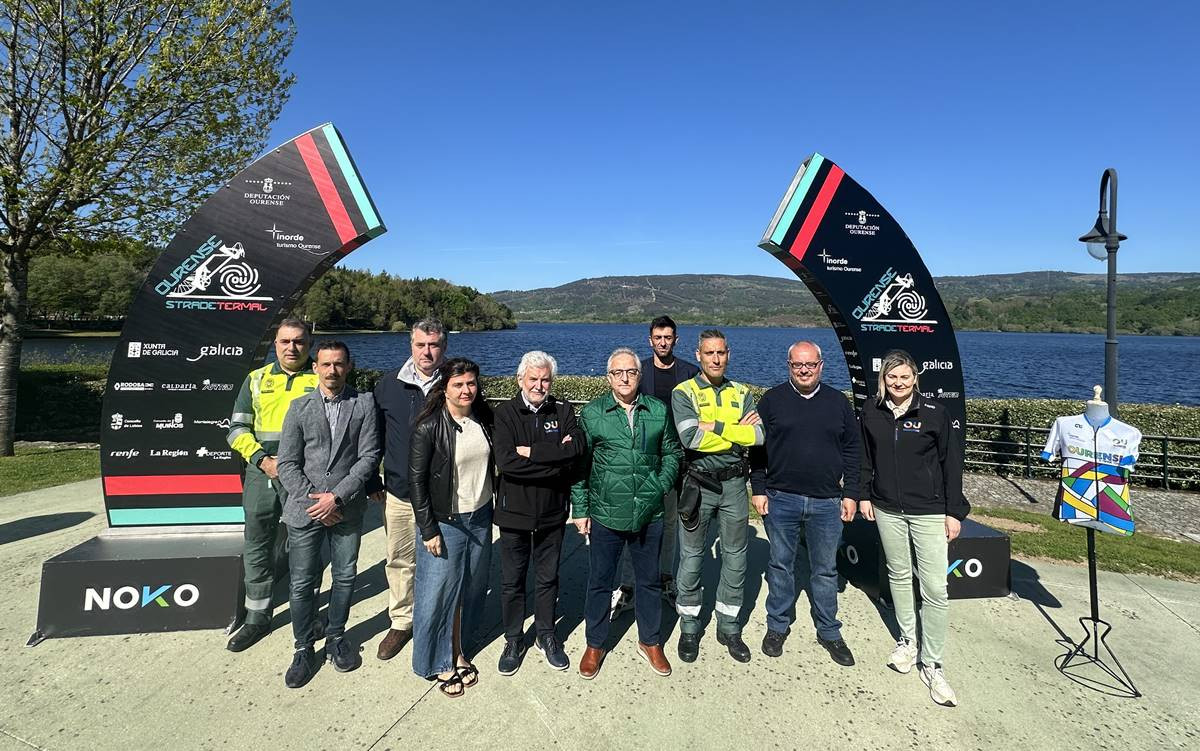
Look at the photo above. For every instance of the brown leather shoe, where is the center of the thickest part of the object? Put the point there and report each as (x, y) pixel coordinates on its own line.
(393, 643)
(654, 655)
(589, 665)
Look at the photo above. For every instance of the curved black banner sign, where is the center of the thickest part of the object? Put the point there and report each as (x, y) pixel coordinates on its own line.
(870, 281)
(204, 319)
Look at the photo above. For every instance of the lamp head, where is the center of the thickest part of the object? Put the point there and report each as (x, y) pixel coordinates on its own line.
(1098, 237)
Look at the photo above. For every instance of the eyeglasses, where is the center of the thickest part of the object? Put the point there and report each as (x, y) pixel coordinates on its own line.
(800, 366)
(627, 372)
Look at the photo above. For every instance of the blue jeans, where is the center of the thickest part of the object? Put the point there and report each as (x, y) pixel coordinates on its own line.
(821, 521)
(444, 583)
(305, 565)
(604, 553)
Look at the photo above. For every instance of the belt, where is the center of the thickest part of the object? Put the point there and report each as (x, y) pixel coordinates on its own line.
(728, 473)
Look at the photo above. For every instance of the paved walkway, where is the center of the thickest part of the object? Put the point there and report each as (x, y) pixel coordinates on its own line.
(183, 690)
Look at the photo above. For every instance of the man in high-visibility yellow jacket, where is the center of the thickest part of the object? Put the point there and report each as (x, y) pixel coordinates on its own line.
(717, 424)
(254, 431)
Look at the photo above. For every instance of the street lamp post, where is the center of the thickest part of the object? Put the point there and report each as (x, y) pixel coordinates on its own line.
(1103, 241)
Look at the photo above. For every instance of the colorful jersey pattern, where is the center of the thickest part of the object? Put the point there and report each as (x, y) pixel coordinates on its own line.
(1096, 464)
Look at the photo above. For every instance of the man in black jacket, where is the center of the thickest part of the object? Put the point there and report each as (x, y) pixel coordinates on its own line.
(399, 396)
(536, 442)
(661, 373)
(809, 483)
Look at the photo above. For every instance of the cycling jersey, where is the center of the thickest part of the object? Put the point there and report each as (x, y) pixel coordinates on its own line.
(1096, 464)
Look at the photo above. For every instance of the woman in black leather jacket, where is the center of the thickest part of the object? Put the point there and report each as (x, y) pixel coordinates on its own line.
(451, 475)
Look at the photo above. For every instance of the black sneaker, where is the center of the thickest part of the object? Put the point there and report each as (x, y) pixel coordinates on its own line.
(555, 656)
(343, 655)
(247, 636)
(511, 657)
(737, 648)
(304, 667)
(689, 647)
(772, 645)
(838, 651)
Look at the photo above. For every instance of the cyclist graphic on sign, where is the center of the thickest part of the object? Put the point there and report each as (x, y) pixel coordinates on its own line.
(235, 278)
(901, 297)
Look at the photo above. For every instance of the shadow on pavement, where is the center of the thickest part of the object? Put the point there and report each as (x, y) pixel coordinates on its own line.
(23, 529)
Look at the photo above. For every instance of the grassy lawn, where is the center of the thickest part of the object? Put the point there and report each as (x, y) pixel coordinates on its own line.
(34, 468)
(1039, 536)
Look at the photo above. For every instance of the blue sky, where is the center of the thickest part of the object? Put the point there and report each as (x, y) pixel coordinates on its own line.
(518, 145)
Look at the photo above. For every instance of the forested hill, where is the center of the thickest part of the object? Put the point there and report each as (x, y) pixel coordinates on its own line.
(91, 285)
(1155, 303)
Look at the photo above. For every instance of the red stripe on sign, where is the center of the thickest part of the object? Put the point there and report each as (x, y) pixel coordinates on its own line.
(172, 484)
(817, 213)
(325, 188)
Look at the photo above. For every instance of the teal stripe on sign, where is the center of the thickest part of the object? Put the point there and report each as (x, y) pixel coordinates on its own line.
(789, 214)
(348, 171)
(183, 515)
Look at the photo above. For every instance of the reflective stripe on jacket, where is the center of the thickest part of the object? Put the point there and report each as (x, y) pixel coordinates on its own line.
(695, 401)
(261, 405)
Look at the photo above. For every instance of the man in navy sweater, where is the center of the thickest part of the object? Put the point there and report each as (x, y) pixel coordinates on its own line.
(806, 477)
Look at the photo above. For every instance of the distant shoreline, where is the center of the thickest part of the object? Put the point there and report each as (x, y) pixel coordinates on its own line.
(64, 334)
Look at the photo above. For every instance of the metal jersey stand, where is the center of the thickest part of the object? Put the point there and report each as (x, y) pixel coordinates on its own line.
(1082, 656)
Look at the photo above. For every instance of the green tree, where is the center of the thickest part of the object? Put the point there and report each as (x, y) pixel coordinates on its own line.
(122, 115)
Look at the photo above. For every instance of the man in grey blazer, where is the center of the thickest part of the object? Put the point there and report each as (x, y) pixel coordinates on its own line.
(328, 451)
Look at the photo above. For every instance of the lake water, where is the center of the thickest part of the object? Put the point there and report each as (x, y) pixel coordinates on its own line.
(1153, 369)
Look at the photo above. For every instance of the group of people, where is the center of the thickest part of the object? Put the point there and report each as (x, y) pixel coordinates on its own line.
(641, 471)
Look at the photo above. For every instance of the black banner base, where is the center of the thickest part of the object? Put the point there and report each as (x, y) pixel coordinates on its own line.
(979, 562)
(138, 584)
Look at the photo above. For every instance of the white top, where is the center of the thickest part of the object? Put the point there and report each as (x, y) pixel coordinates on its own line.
(472, 481)
(1096, 463)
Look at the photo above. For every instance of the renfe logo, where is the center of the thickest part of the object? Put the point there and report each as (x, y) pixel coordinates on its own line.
(127, 598)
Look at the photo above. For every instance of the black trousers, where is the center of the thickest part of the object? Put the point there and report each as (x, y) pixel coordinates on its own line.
(517, 547)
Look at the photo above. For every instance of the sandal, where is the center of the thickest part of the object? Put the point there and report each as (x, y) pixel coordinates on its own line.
(468, 674)
(446, 684)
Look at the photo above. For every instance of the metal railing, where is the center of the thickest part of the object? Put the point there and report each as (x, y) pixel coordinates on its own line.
(1169, 462)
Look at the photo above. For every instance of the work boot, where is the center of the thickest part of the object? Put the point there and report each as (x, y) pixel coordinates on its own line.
(654, 655)
(393, 642)
(512, 656)
(838, 651)
(343, 655)
(689, 647)
(737, 648)
(772, 645)
(589, 664)
(304, 667)
(247, 636)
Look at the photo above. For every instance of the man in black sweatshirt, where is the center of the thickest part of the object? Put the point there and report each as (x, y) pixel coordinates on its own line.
(537, 441)
(806, 478)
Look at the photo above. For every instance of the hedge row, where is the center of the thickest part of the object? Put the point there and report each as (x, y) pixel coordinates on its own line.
(62, 402)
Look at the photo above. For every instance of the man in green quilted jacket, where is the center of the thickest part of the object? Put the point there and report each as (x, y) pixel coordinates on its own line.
(633, 458)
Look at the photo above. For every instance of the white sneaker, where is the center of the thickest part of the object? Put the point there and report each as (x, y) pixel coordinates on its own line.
(904, 656)
(622, 600)
(939, 689)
